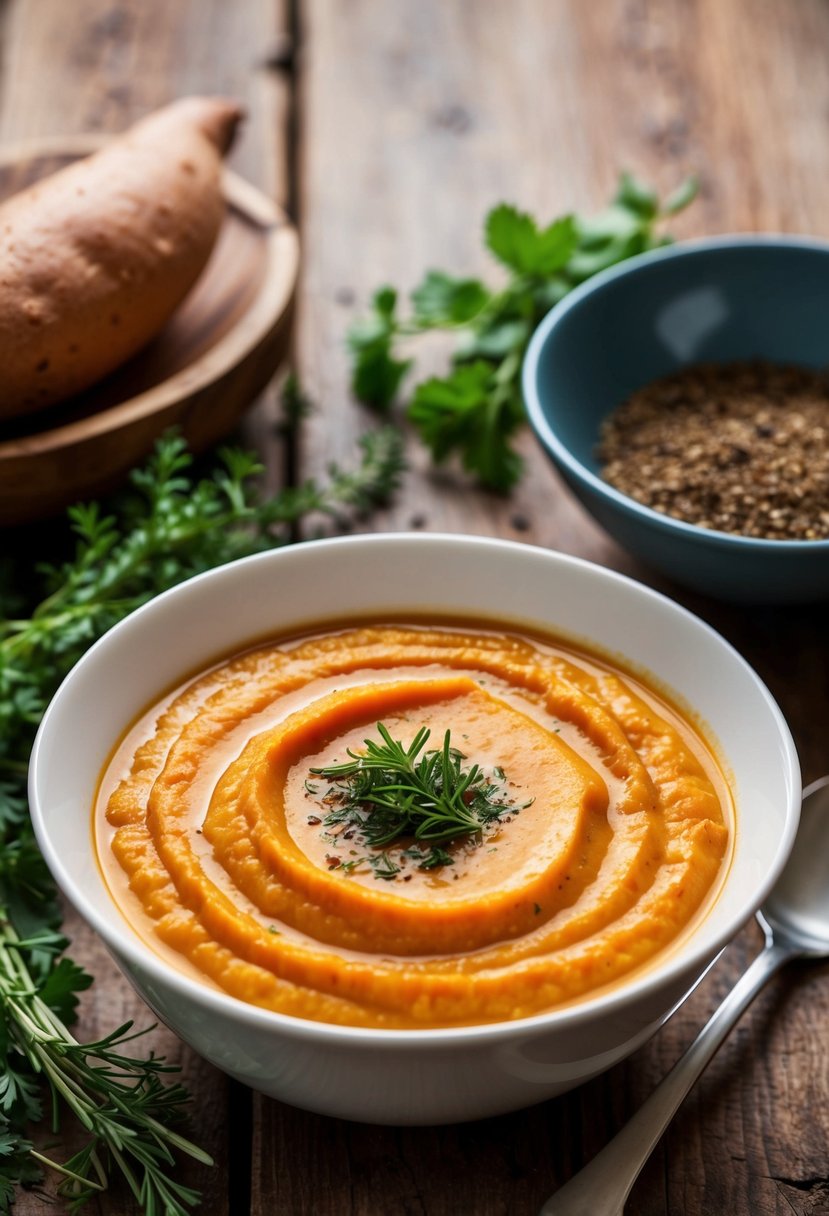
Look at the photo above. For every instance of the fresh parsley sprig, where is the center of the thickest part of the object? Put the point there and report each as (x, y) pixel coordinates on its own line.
(475, 410)
(171, 526)
(391, 792)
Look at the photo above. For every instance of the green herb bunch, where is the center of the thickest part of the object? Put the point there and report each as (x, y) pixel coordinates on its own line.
(391, 792)
(476, 408)
(171, 526)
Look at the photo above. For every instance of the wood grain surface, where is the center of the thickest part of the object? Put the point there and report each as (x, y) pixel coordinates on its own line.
(389, 127)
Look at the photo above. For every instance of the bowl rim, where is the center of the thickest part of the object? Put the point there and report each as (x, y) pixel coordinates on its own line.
(564, 456)
(115, 931)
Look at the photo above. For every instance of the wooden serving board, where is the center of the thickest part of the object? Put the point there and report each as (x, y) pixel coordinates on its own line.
(209, 363)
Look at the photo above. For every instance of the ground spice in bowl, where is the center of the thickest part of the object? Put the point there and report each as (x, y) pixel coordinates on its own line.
(737, 447)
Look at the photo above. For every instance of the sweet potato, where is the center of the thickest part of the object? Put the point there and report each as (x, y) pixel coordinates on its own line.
(94, 259)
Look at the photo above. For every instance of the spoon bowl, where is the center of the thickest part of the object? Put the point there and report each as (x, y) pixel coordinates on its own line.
(797, 908)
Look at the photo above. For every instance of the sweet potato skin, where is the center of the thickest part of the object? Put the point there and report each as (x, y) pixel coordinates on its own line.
(95, 258)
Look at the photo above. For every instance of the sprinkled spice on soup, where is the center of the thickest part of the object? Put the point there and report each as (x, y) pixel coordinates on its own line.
(413, 825)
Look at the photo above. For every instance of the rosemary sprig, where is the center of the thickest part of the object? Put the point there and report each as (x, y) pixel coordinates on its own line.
(391, 792)
(119, 1099)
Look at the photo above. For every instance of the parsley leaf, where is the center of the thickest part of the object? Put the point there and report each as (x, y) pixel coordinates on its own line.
(514, 238)
(443, 301)
(474, 410)
(60, 988)
(17, 1165)
(19, 1091)
(444, 407)
(377, 374)
(637, 197)
(466, 411)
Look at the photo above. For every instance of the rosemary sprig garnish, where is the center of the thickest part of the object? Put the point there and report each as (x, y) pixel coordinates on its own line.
(391, 792)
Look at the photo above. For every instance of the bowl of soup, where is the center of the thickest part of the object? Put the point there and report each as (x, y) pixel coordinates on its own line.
(446, 852)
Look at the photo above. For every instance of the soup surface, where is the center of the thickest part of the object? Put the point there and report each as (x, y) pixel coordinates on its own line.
(599, 826)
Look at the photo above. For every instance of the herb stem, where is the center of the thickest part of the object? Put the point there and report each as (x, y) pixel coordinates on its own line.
(101, 1185)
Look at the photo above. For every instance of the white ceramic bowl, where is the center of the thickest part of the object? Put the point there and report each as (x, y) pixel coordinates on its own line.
(412, 1076)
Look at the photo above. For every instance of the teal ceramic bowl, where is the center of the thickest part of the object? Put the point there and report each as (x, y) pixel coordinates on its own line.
(719, 300)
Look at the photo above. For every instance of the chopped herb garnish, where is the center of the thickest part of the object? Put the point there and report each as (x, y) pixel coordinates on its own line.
(391, 792)
(383, 866)
(348, 866)
(436, 856)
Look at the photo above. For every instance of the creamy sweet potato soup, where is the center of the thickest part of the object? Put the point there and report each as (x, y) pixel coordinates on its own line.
(283, 826)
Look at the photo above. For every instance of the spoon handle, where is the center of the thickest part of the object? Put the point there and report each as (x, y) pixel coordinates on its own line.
(601, 1188)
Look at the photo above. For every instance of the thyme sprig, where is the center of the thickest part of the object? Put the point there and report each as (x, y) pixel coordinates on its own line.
(391, 792)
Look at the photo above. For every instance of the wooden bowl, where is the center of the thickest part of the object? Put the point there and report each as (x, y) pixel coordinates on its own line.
(209, 363)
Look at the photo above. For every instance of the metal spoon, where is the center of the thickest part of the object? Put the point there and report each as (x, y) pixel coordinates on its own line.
(795, 920)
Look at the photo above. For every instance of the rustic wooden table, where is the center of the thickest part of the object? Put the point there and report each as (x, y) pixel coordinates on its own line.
(388, 127)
